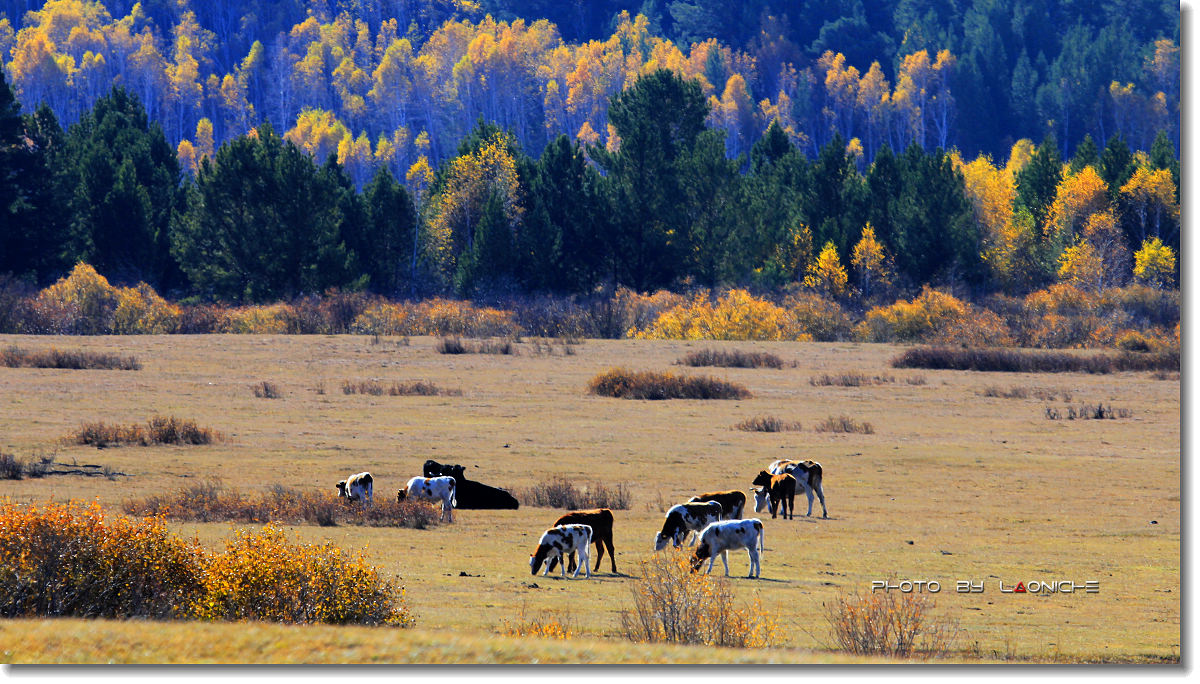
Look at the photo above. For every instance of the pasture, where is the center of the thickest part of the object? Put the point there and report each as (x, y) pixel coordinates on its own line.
(950, 485)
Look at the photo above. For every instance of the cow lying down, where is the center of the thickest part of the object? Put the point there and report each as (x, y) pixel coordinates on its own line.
(472, 494)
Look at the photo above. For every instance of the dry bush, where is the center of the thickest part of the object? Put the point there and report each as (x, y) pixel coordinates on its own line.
(263, 576)
(418, 388)
(1027, 361)
(211, 501)
(916, 380)
(454, 345)
(547, 624)
(560, 492)
(731, 359)
(158, 430)
(70, 560)
(767, 424)
(844, 424)
(851, 379)
(267, 390)
(11, 468)
(15, 357)
(672, 604)
(1089, 412)
(626, 384)
(451, 345)
(895, 624)
(1013, 392)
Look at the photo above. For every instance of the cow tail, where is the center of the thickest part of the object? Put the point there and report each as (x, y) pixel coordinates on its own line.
(454, 494)
(762, 538)
(814, 477)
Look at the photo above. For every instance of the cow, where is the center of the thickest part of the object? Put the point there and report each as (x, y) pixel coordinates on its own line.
(558, 541)
(472, 494)
(684, 518)
(775, 489)
(732, 501)
(720, 537)
(808, 475)
(432, 489)
(357, 487)
(601, 522)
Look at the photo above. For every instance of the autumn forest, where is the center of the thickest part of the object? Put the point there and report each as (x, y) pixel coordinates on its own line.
(255, 151)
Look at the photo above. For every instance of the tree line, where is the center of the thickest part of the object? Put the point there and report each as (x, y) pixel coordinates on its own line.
(660, 206)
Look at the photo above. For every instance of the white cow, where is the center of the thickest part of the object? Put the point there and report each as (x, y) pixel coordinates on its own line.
(357, 487)
(720, 537)
(684, 518)
(808, 475)
(432, 489)
(558, 542)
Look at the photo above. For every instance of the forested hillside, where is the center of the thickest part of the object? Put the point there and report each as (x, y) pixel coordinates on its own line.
(259, 150)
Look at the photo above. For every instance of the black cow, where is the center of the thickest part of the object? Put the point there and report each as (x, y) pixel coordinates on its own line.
(471, 494)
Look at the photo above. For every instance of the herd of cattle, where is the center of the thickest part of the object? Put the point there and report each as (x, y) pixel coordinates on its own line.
(713, 519)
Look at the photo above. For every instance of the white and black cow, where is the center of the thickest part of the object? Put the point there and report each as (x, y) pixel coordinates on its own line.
(558, 543)
(720, 537)
(687, 517)
(432, 489)
(357, 487)
(808, 475)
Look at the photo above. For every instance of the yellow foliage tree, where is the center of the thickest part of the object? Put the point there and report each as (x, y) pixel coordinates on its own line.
(826, 274)
(1150, 195)
(1076, 198)
(868, 259)
(1080, 265)
(1154, 264)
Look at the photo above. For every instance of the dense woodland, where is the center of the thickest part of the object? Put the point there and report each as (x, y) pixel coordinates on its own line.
(252, 151)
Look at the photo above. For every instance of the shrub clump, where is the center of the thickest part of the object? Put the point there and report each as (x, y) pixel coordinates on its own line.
(737, 315)
(767, 424)
(889, 624)
(267, 390)
(851, 379)
(454, 345)
(15, 357)
(844, 424)
(731, 359)
(158, 430)
(71, 560)
(210, 501)
(935, 317)
(559, 492)
(672, 604)
(418, 388)
(1028, 361)
(626, 384)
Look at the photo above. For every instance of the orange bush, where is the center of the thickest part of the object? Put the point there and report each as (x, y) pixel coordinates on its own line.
(737, 315)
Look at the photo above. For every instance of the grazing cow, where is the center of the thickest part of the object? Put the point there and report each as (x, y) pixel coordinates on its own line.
(356, 487)
(808, 475)
(776, 489)
(720, 537)
(732, 501)
(472, 494)
(601, 522)
(684, 518)
(558, 541)
(432, 489)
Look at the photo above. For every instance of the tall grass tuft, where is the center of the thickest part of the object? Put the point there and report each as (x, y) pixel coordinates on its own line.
(844, 424)
(767, 424)
(547, 624)
(626, 384)
(158, 430)
(560, 492)
(211, 501)
(731, 359)
(672, 604)
(267, 390)
(454, 345)
(15, 357)
(418, 388)
(851, 379)
(889, 624)
(1027, 361)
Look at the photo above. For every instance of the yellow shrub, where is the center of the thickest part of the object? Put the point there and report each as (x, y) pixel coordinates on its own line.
(383, 318)
(736, 316)
(435, 317)
(933, 316)
(1062, 299)
(546, 625)
(81, 303)
(264, 577)
(818, 318)
(140, 310)
(272, 319)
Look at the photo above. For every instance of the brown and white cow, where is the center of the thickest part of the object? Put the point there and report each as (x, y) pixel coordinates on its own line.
(601, 522)
(720, 537)
(808, 475)
(557, 542)
(684, 518)
(732, 501)
(431, 489)
(774, 490)
(357, 487)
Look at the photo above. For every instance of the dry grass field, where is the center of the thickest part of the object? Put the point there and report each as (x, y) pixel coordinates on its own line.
(950, 485)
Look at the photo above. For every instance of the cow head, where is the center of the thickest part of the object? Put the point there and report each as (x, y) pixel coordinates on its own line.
(660, 541)
(341, 487)
(762, 478)
(702, 551)
(760, 499)
(432, 468)
(401, 494)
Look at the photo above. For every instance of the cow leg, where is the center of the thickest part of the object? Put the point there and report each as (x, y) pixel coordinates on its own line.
(820, 493)
(584, 562)
(809, 493)
(755, 568)
(599, 553)
(725, 560)
(612, 555)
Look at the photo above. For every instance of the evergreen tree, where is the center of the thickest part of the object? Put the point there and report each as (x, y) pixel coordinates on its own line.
(384, 246)
(1162, 156)
(836, 194)
(1038, 182)
(933, 227)
(1116, 165)
(1087, 154)
(771, 210)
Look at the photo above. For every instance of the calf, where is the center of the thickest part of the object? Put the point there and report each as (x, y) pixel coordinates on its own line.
(601, 522)
(684, 518)
(558, 541)
(808, 475)
(720, 537)
(732, 501)
(776, 488)
(432, 489)
(356, 487)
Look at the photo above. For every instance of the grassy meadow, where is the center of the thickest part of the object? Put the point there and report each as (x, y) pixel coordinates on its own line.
(949, 485)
